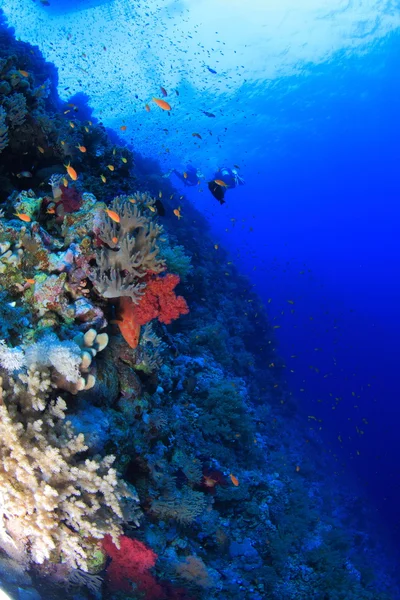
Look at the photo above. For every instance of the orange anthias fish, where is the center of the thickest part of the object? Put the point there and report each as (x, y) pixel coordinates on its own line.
(123, 128)
(23, 73)
(221, 183)
(24, 217)
(185, 175)
(147, 107)
(71, 172)
(81, 148)
(177, 212)
(234, 479)
(128, 327)
(111, 167)
(162, 104)
(163, 91)
(113, 215)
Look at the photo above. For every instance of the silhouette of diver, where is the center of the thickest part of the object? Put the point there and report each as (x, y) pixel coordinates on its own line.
(229, 178)
(190, 177)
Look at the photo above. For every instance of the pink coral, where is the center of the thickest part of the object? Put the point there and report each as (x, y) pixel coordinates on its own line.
(159, 301)
(130, 565)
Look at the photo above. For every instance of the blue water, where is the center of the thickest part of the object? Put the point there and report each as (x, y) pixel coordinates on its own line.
(316, 227)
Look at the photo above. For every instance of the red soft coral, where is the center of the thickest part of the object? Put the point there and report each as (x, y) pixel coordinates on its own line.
(130, 564)
(159, 301)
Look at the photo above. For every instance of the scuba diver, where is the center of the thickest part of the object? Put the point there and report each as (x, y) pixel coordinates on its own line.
(190, 177)
(224, 179)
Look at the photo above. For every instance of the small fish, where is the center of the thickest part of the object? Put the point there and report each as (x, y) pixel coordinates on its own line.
(30, 281)
(90, 122)
(163, 91)
(103, 178)
(221, 183)
(297, 469)
(65, 182)
(71, 172)
(234, 479)
(41, 150)
(86, 129)
(147, 107)
(177, 92)
(114, 151)
(67, 111)
(150, 207)
(23, 73)
(123, 128)
(124, 159)
(212, 70)
(177, 212)
(111, 167)
(162, 104)
(208, 114)
(45, 2)
(113, 215)
(197, 135)
(24, 217)
(216, 246)
(72, 124)
(185, 175)
(160, 194)
(114, 239)
(51, 211)
(81, 148)
(24, 174)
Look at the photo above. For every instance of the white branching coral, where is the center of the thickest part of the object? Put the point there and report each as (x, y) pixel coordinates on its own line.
(11, 359)
(64, 356)
(53, 504)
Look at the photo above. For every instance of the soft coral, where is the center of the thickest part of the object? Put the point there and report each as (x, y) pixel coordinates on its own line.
(130, 564)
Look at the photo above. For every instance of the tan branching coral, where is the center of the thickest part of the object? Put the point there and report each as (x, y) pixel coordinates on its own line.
(53, 504)
(129, 250)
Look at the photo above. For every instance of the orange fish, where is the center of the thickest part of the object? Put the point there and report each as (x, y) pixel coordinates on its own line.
(103, 178)
(163, 91)
(127, 324)
(123, 128)
(41, 150)
(111, 167)
(23, 73)
(72, 124)
(81, 148)
(220, 182)
(71, 172)
(114, 239)
(185, 175)
(147, 107)
(162, 104)
(113, 215)
(24, 217)
(177, 212)
(234, 479)
(30, 281)
(51, 211)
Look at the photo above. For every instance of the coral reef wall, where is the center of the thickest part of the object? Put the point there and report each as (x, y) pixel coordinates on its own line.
(148, 444)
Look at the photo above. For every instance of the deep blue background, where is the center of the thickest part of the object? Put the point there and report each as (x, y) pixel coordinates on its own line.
(318, 223)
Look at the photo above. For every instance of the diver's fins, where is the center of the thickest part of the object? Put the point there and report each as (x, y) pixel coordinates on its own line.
(217, 191)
